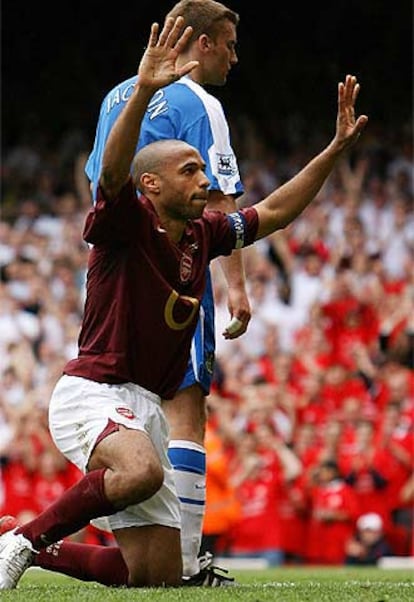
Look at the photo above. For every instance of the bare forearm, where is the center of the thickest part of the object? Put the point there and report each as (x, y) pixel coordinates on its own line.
(231, 265)
(284, 204)
(292, 466)
(233, 269)
(158, 67)
(122, 142)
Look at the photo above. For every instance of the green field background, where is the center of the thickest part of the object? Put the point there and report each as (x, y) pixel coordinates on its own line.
(271, 585)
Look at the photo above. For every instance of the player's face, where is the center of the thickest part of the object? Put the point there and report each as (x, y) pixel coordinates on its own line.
(184, 186)
(222, 55)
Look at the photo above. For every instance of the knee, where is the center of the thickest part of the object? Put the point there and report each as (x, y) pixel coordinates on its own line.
(147, 478)
(138, 483)
(151, 475)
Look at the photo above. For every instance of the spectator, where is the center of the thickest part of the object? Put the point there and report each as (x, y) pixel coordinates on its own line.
(364, 467)
(222, 505)
(368, 544)
(334, 508)
(256, 478)
(406, 501)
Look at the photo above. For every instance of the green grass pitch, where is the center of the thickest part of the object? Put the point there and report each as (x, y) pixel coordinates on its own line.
(341, 584)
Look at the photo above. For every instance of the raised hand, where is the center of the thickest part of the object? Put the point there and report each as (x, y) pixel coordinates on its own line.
(159, 66)
(348, 128)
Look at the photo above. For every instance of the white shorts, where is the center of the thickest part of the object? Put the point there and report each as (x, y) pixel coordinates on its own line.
(79, 412)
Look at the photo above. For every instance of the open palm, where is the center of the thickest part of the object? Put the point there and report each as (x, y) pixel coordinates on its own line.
(348, 128)
(158, 65)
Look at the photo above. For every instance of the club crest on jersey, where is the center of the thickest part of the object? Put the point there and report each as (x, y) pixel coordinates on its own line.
(186, 265)
(126, 413)
(225, 165)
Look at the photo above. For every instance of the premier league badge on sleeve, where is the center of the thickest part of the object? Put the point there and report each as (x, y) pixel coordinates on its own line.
(225, 164)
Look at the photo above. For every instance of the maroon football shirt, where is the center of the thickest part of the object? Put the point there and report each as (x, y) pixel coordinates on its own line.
(144, 291)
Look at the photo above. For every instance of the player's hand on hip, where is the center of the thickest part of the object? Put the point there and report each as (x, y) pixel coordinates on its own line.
(158, 66)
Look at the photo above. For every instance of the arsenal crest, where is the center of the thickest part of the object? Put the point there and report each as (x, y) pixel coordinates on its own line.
(186, 265)
(126, 412)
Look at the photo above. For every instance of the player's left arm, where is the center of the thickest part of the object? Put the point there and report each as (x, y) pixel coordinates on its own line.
(233, 270)
(284, 204)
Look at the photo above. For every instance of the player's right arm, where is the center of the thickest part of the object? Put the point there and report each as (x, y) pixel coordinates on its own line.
(157, 68)
(110, 109)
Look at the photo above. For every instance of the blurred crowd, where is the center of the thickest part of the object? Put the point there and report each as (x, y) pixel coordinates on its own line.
(311, 417)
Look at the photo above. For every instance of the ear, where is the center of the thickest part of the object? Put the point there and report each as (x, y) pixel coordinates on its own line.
(204, 42)
(150, 183)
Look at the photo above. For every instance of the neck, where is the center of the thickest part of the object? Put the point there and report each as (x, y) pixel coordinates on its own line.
(196, 74)
(174, 229)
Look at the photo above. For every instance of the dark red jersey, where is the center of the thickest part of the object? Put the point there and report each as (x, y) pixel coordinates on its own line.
(144, 291)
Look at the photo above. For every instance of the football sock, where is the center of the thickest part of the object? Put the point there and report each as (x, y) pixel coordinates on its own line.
(87, 562)
(189, 462)
(72, 511)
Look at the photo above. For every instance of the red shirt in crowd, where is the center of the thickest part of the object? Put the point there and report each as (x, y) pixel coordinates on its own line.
(258, 528)
(327, 536)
